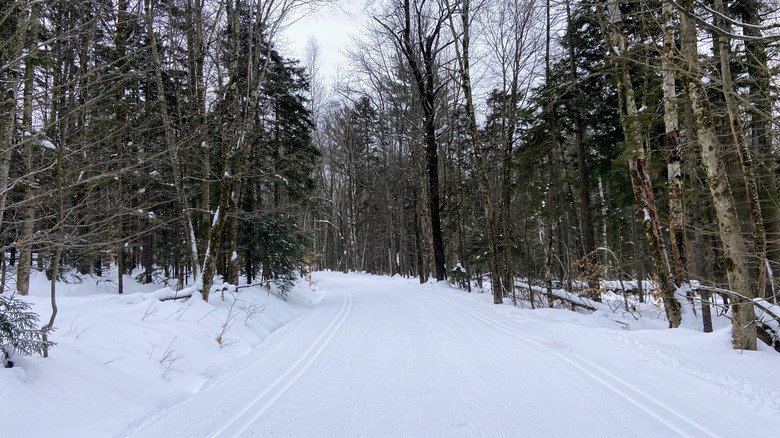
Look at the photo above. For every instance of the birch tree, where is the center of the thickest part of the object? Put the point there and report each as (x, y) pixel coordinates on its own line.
(743, 328)
(640, 178)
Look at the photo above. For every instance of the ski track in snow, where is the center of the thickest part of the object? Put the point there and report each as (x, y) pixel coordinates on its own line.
(384, 357)
(272, 393)
(629, 392)
(269, 395)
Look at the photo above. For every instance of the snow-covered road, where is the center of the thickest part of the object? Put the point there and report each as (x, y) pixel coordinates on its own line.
(384, 357)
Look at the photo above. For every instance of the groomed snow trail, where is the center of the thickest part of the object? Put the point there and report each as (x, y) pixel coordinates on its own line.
(383, 357)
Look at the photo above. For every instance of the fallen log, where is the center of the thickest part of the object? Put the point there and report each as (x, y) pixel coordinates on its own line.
(574, 302)
(224, 288)
(558, 296)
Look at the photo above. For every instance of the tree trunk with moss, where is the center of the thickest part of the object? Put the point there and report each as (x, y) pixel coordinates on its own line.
(640, 178)
(673, 154)
(745, 157)
(734, 252)
(760, 112)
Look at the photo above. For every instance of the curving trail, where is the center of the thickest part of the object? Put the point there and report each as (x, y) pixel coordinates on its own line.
(383, 357)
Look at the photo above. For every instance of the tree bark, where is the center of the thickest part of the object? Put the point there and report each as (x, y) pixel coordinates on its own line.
(640, 178)
(462, 54)
(424, 72)
(120, 41)
(745, 157)
(743, 315)
(58, 244)
(172, 148)
(28, 142)
(196, 52)
(233, 219)
(673, 154)
(421, 271)
(551, 198)
(10, 87)
(586, 217)
(760, 111)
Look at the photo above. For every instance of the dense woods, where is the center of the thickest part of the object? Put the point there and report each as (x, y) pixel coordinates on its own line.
(518, 147)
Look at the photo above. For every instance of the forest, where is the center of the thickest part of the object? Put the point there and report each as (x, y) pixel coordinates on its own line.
(534, 150)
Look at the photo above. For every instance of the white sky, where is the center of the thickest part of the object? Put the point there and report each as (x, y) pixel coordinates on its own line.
(333, 27)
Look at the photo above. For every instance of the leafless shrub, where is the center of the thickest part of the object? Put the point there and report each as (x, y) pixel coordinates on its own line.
(169, 359)
(151, 310)
(252, 310)
(77, 328)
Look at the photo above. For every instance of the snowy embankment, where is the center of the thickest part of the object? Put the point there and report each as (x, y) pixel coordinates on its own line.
(125, 357)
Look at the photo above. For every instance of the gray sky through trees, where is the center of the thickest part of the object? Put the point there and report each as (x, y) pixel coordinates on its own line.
(333, 27)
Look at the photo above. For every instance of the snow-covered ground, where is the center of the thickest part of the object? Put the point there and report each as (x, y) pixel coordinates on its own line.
(374, 356)
(122, 358)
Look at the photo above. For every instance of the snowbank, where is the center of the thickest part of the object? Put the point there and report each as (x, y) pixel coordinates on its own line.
(132, 353)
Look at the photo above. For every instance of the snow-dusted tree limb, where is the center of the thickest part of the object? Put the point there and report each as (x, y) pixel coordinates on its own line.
(719, 15)
(763, 308)
(711, 27)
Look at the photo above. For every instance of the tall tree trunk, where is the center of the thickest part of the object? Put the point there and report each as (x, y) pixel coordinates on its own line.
(28, 141)
(586, 216)
(760, 111)
(234, 143)
(7, 128)
(518, 30)
(10, 84)
(434, 202)
(421, 270)
(640, 178)
(58, 245)
(487, 194)
(233, 222)
(196, 52)
(743, 315)
(212, 247)
(551, 198)
(148, 256)
(745, 157)
(120, 41)
(698, 266)
(421, 55)
(172, 148)
(673, 154)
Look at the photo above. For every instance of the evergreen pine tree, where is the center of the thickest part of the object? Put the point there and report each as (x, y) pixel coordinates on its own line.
(19, 330)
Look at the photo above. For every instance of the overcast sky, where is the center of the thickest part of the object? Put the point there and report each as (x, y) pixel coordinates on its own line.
(332, 27)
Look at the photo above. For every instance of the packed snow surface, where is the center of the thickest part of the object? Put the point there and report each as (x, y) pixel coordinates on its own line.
(371, 356)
